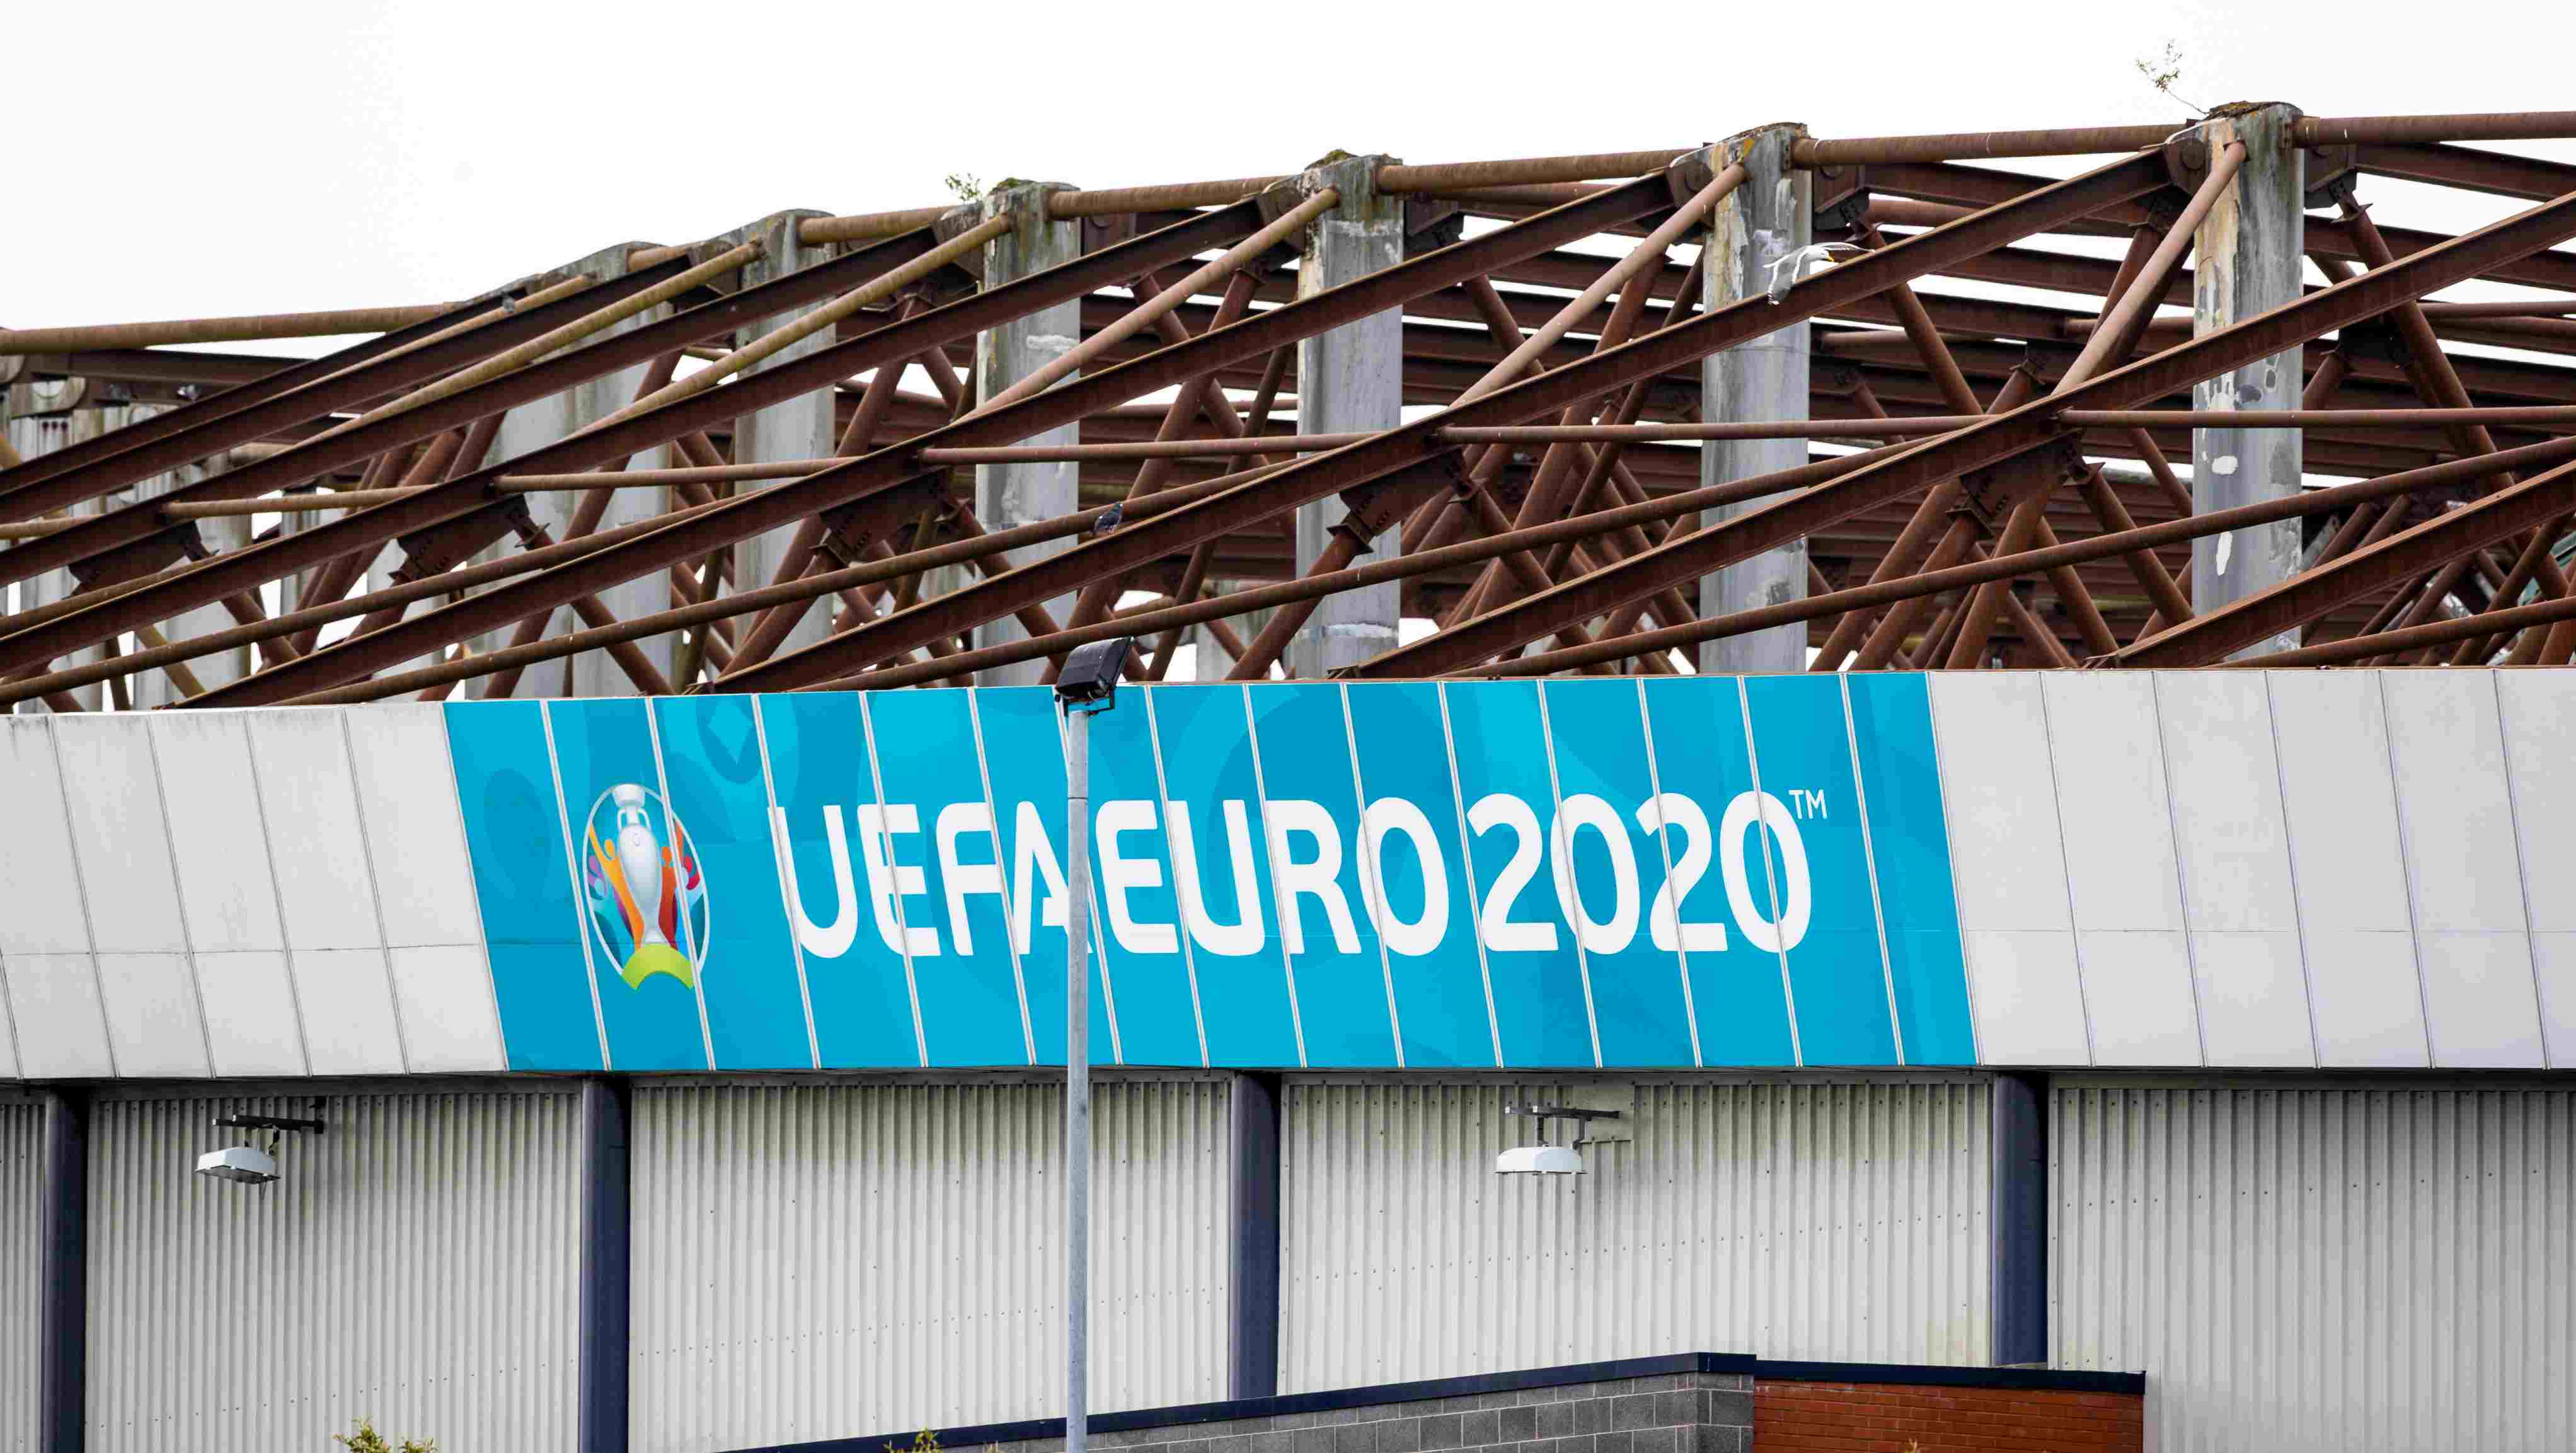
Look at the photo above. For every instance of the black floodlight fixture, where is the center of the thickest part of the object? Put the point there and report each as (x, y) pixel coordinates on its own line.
(1090, 677)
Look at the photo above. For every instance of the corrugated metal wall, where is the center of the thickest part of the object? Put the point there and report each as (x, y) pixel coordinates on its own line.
(2327, 1267)
(416, 1264)
(1790, 1219)
(816, 1261)
(22, 1250)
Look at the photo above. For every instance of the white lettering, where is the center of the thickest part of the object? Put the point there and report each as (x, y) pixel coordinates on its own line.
(1600, 936)
(1422, 934)
(1032, 858)
(1494, 924)
(1316, 877)
(1672, 809)
(889, 883)
(1771, 812)
(955, 821)
(1228, 940)
(1119, 873)
(834, 941)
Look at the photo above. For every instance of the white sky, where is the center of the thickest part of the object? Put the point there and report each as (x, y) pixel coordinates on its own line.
(178, 160)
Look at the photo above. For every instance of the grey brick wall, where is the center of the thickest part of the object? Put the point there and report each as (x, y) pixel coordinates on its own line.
(1687, 1412)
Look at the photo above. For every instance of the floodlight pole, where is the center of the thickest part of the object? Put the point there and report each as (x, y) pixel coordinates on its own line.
(1077, 1083)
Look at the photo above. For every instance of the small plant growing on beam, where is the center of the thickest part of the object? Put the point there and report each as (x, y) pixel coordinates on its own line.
(367, 1440)
(2162, 70)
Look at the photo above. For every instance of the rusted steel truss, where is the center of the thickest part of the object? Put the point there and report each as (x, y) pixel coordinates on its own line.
(1992, 480)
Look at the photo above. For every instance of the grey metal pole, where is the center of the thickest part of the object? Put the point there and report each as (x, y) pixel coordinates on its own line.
(1077, 1086)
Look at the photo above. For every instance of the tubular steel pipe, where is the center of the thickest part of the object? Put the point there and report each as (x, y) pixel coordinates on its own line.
(1815, 152)
(871, 481)
(1646, 254)
(866, 226)
(1411, 445)
(315, 617)
(2436, 633)
(2544, 416)
(2001, 437)
(1142, 316)
(2004, 567)
(98, 337)
(1527, 171)
(787, 335)
(802, 590)
(237, 416)
(723, 264)
(2417, 130)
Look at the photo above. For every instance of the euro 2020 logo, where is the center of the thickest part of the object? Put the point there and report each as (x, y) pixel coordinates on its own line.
(648, 901)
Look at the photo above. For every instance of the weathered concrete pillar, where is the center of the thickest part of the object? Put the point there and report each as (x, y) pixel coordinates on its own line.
(543, 422)
(1017, 494)
(2247, 261)
(800, 428)
(1348, 379)
(1763, 220)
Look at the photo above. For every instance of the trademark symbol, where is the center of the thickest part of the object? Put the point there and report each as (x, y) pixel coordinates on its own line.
(1807, 804)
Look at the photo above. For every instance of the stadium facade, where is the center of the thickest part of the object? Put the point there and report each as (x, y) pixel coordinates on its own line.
(682, 1065)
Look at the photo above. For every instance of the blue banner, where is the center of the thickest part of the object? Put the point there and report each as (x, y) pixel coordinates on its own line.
(1629, 873)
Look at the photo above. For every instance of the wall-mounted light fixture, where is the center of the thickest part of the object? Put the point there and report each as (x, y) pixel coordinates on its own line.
(246, 1164)
(1544, 1159)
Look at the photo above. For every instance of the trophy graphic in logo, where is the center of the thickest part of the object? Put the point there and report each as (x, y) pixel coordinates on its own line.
(648, 902)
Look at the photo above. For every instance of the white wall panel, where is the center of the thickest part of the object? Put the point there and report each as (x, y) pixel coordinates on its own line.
(2455, 811)
(119, 838)
(2120, 872)
(45, 913)
(154, 1024)
(58, 1015)
(2355, 908)
(417, 1264)
(55, 1025)
(22, 1253)
(818, 1261)
(2538, 709)
(2236, 872)
(1790, 1219)
(335, 939)
(416, 840)
(449, 1023)
(2322, 1267)
(2009, 863)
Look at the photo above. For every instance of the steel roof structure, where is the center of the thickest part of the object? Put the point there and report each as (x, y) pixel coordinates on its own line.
(1993, 480)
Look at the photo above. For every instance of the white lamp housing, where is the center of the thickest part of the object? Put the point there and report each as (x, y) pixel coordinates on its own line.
(243, 1163)
(1538, 1160)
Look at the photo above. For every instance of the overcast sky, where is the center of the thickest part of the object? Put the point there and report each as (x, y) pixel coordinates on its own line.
(174, 160)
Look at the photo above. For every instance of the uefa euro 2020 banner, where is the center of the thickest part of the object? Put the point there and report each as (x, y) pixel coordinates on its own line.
(1591, 872)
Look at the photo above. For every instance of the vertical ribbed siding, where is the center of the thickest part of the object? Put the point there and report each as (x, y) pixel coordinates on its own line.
(2326, 1267)
(1787, 1219)
(817, 1261)
(22, 1260)
(416, 1264)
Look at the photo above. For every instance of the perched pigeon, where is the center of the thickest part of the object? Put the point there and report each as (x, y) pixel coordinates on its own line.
(1108, 520)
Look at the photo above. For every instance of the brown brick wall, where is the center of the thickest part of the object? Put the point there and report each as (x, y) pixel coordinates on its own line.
(1850, 1417)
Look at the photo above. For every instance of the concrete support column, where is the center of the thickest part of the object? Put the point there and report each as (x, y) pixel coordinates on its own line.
(606, 1241)
(62, 1374)
(1252, 1286)
(2018, 1220)
(1018, 494)
(2247, 261)
(543, 422)
(1349, 379)
(1762, 221)
(800, 428)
